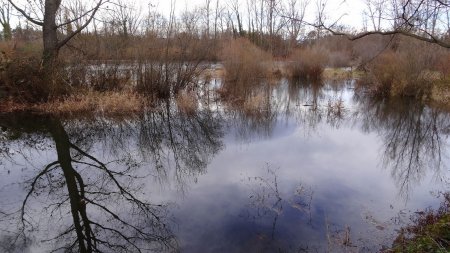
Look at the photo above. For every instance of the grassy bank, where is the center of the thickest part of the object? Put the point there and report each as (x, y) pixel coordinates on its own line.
(429, 231)
(90, 102)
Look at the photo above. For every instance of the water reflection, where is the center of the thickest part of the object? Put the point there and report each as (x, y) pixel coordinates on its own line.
(106, 208)
(313, 103)
(172, 145)
(106, 199)
(164, 180)
(189, 141)
(267, 204)
(256, 118)
(413, 137)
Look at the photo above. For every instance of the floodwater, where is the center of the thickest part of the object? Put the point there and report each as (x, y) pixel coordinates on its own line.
(317, 168)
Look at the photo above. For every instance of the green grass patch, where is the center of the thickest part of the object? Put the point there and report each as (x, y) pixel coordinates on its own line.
(430, 232)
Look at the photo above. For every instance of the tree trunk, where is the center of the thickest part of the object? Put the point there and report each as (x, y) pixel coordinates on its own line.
(62, 144)
(7, 33)
(49, 32)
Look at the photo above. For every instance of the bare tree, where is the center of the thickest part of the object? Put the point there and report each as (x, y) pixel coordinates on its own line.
(5, 17)
(190, 20)
(409, 18)
(375, 12)
(235, 7)
(295, 11)
(44, 14)
(125, 16)
(154, 22)
(207, 16)
(217, 17)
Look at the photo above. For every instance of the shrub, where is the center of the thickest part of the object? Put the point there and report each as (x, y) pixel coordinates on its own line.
(403, 73)
(443, 64)
(339, 59)
(307, 64)
(255, 103)
(187, 102)
(245, 66)
(109, 77)
(163, 80)
(151, 80)
(25, 80)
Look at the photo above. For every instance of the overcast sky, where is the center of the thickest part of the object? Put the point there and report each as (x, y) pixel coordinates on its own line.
(348, 11)
(351, 9)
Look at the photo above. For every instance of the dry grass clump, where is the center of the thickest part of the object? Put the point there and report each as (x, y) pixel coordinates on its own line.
(187, 102)
(94, 102)
(339, 59)
(26, 81)
(163, 80)
(408, 68)
(245, 65)
(400, 74)
(443, 64)
(308, 64)
(339, 74)
(255, 103)
(107, 77)
(440, 94)
(9, 105)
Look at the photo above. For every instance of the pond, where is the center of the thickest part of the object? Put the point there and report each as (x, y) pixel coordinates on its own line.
(318, 168)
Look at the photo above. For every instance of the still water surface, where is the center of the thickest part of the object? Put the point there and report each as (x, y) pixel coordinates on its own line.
(316, 169)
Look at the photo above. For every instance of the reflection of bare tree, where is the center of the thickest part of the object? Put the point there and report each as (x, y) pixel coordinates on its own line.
(260, 123)
(313, 103)
(253, 113)
(168, 141)
(183, 142)
(412, 136)
(308, 103)
(267, 202)
(107, 209)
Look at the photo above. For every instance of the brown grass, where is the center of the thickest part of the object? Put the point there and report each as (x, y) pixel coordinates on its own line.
(443, 64)
(408, 68)
(400, 74)
(255, 103)
(9, 105)
(94, 102)
(245, 66)
(440, 94)
(107, 77)
(187, 102)
(340, 74)
(307, 64)
(218, 72)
